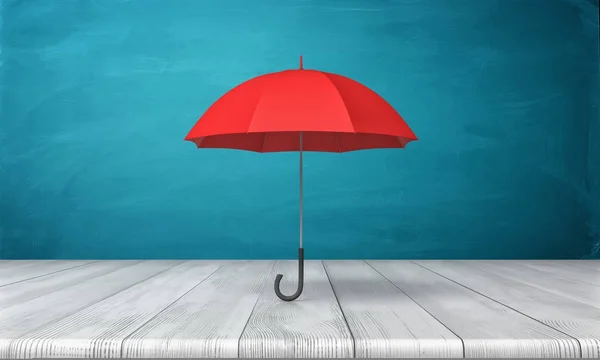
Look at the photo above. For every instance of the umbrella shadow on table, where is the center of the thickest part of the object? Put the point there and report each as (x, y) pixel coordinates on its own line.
(360, 291)
(368, 290)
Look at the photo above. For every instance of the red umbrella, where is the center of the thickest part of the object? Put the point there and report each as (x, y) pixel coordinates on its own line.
(300, 110)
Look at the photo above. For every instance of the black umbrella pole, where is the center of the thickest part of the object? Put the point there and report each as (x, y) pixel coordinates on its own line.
(300, 248)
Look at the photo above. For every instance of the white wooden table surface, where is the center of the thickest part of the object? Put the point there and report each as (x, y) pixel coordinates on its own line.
(363, 309)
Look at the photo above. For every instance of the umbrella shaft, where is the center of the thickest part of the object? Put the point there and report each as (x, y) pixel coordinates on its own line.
(301, 190)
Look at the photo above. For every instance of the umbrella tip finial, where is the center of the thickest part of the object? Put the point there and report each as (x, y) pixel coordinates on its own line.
(301, 63)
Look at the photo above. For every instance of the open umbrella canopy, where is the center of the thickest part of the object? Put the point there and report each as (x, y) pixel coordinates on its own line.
(267, 114)
(300, 110)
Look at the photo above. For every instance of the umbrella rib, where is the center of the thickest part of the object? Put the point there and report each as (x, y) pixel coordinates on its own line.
(341, 99)
(262, 148)
(337, 141)
(401, 140)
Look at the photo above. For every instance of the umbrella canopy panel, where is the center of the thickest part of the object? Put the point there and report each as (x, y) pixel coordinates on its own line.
(267, 114)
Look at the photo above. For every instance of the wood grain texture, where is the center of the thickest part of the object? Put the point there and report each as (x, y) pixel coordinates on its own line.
(313, 326)
(208, 321)
(12, 275)
(30, 289)
(14, 264)
(99, 330)
(588, 264)
(488, 329)
(17, 322)
(384, 321)
(593, 265)
(570, 288)
(573, 318)
(567, 271)
(163, 309)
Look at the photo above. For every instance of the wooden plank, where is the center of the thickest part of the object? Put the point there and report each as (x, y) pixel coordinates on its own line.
(593, 265)
(582, 272)
(488, 329)
(570, 288)
(208, 321)
(17, 321)
(8, 266)
(384, 321)
(576, 319)
(101, 327)
(588, 264)
(12, 275)
(311, 326)
(30, 289)
(13, 264)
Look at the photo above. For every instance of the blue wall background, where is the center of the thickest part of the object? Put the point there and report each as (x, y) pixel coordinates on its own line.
(97, 95)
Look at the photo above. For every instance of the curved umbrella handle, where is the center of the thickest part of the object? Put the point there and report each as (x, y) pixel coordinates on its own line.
(300, 280)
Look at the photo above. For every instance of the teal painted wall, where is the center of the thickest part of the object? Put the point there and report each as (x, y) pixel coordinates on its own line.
(96, 97)
(589, 20)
